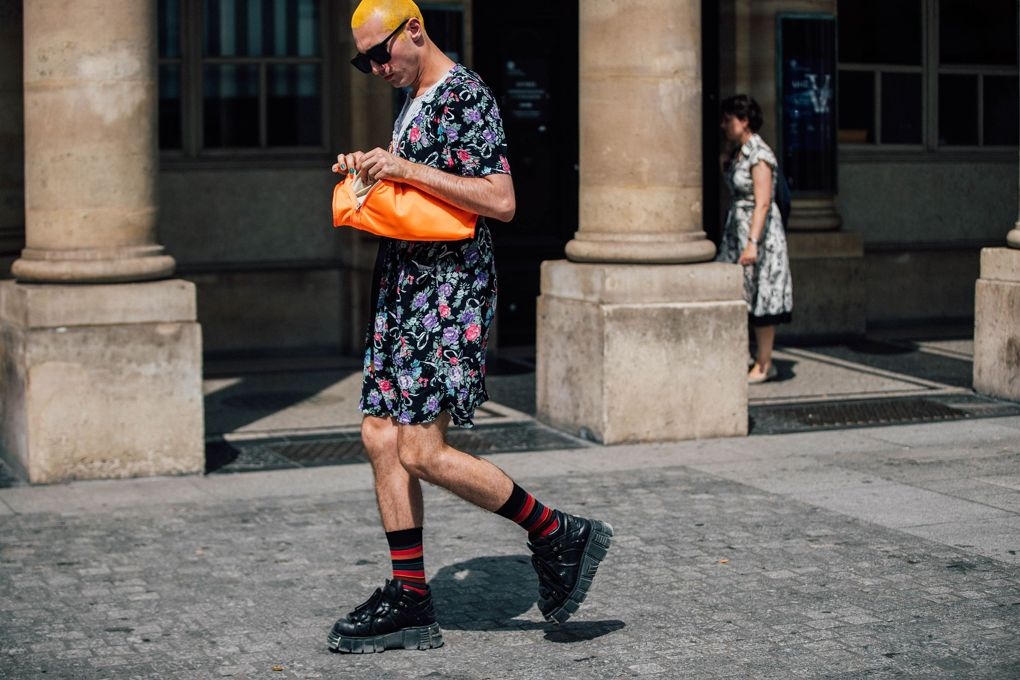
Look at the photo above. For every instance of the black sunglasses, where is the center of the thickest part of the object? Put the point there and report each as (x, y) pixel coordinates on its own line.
(380, 53)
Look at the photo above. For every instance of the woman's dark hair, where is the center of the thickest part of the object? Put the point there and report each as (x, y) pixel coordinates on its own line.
(745, 108)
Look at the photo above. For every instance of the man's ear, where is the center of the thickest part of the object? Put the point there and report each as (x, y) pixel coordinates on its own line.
(416, 30)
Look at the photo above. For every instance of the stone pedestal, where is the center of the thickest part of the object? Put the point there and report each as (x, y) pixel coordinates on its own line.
(829, 291)
(997, 324)
(637, 340)
(101, 375)
(100, 381)
(632, 353)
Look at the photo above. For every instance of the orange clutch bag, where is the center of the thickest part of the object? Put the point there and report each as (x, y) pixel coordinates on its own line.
(399, 211)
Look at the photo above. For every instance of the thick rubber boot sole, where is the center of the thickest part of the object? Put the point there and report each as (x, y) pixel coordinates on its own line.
(423, 637)
(595, 550)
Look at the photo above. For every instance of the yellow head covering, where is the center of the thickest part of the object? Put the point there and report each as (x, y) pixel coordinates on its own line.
(392, 12)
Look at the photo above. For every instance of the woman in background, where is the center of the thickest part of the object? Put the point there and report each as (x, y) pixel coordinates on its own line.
(753, 236)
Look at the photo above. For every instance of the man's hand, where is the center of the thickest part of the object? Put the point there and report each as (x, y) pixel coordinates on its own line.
(372, 165)
(381, 164)
(346, 163)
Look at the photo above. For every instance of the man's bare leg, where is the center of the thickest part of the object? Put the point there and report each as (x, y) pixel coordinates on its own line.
(397, 492)
(424, 453)
(567, 549)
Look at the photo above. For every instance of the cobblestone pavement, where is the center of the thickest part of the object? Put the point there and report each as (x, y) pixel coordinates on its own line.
(708, 578)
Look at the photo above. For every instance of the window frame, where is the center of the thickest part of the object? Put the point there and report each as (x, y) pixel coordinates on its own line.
(192, 62)
(930, 70)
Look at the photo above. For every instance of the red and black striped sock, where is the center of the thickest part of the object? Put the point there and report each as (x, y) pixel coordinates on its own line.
(524, 509)
(408, 557)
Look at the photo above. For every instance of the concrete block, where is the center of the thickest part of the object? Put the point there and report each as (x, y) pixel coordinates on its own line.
(997, 328)
(647, 369)
(88, 393)
(829, 294)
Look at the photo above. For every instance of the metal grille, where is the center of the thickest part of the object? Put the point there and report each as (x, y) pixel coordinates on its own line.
(322, 451)
(341, 448)
(848, 414)
(777, 419)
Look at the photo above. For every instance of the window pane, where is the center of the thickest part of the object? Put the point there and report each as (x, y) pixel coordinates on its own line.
(958, 106)
(880, 31)
(169, 106)
(294, 105)
(977, 32)
(295, 28)
(231, 105)
(255, 28)
(169, 28)
(901, 108)
(856, 107)
(1002, 110)
(446, 29)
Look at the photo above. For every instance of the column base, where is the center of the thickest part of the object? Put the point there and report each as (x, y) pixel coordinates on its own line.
(642, 353)
(829, 293)
(141, 263)
(814, 214)
(1013, 237)
(633, 249)
(997, 324)
(101, 381)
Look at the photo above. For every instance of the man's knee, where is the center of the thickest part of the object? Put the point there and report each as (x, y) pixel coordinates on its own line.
(379, 435)
(417, 450)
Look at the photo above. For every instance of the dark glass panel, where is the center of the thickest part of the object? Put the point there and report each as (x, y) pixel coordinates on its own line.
(169, 106)
(880, 31)
(446, 29)
(1002, 110)
(958, 110)
(294, 105)
(295, 26)
(169, 29)
(255, 28)
(230, 105)
(901, 108)
(983, 32)
(856, 107)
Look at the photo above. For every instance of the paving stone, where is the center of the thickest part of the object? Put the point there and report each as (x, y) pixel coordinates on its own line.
(708, 578)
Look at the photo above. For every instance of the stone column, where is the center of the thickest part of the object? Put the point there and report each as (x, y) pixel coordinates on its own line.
(997, 320)
(640, 336)
(640, 152)
(90, 143)
(102, 375)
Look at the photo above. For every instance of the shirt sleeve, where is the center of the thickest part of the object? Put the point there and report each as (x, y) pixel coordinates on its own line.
(471, 138)
(761, 152)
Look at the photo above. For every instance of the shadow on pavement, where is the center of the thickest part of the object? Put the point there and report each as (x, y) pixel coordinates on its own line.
(489, 593)
(581, 631)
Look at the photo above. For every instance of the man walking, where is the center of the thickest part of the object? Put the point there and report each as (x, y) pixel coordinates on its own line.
(425, 354)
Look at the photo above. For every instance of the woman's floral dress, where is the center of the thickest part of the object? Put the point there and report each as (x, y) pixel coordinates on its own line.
(768, 286)
(425, 347)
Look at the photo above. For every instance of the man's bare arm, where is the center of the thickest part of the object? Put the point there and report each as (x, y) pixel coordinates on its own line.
(489, 196)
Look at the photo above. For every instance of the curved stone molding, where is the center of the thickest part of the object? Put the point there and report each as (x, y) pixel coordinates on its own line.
(627, 251)
(143, 263)
(814, 214)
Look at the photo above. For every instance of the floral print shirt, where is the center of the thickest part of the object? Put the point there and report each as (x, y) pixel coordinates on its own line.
(435, 301)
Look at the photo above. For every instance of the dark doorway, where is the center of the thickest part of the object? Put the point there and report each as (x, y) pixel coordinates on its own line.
(527, 53)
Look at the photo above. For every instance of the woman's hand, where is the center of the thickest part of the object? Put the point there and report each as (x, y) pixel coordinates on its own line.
(750, 254)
